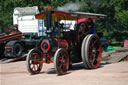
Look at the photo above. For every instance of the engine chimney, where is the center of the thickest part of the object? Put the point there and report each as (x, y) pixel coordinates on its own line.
(48, 16)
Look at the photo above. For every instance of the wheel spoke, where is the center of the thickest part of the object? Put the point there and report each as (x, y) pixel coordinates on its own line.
(61, 63)
(99, 49)
(64, 67)
(95, 42)
(92, 58)
(98, 59)
(91, 61)
(91, 51)
(33, 65)
(91, 46)
(60, 60)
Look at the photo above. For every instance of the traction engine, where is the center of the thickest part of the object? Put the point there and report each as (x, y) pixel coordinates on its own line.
(63, 47)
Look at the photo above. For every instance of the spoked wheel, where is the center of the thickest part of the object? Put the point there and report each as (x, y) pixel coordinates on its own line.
(61, 61)
(91, 51)
(32, 61)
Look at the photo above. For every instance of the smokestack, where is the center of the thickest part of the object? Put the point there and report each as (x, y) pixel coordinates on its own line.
(48, 16)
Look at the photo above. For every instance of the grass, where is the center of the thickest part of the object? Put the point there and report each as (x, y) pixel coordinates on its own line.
(116, 47)
(124, 61)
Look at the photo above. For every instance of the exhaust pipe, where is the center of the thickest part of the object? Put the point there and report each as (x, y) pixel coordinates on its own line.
(48, 16)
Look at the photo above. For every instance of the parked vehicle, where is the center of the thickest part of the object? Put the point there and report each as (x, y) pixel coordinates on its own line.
(63, 47)
(31, 29)
(10, 34)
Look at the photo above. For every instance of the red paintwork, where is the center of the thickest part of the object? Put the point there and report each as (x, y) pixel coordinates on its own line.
(91, 56)
(54, 12)
(62, 43)
(126, 58)
(36, 66)
(10, 36)
(45, 41)
(47, 58)
(8, 47)
(45, 61)
(83, 20)
(61, 65)
(126, 43)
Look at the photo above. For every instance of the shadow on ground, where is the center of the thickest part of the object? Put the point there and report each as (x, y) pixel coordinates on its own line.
(74, 67)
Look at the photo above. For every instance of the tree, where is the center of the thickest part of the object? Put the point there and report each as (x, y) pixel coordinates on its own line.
(116, 10)
(116, 24)
(7, 7)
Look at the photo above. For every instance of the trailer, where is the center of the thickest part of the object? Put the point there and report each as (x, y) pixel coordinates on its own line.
(10, 34)
(31, 29)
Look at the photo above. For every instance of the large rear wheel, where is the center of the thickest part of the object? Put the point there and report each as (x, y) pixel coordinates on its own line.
(32, 61)
(91, 51)
(61, 61)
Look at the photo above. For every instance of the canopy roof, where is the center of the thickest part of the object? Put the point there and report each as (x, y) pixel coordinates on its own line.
(70, 15)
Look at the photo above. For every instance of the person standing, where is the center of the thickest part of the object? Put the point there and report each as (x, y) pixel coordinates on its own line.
(91, 26)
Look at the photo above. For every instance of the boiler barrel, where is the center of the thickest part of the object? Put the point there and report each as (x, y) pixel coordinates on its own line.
(63, 44)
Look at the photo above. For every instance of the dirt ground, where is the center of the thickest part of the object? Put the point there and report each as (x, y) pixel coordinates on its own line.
(108, 74)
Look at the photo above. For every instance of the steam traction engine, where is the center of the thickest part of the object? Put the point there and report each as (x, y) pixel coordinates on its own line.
(63, 47)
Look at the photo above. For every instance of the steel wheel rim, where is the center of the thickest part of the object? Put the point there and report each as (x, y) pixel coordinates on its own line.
(94, 52)
(62, 62)
(34, 65)
(83, 52)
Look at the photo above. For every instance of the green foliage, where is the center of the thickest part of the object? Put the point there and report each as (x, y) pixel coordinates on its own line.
(114, 27)
(116, 23)
(7, 7)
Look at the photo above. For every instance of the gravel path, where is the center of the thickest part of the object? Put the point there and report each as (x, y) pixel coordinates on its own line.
(108, 74)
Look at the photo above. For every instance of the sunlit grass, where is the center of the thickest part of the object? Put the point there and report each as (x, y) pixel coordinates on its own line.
(116, 47)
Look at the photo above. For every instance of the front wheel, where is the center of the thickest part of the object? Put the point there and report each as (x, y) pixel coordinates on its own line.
(32, 61)
(91, 51)
(61, 61)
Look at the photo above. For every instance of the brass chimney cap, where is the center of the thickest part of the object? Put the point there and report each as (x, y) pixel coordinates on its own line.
(47, 7)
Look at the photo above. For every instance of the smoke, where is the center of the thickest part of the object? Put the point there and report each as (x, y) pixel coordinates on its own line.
(70, 7)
